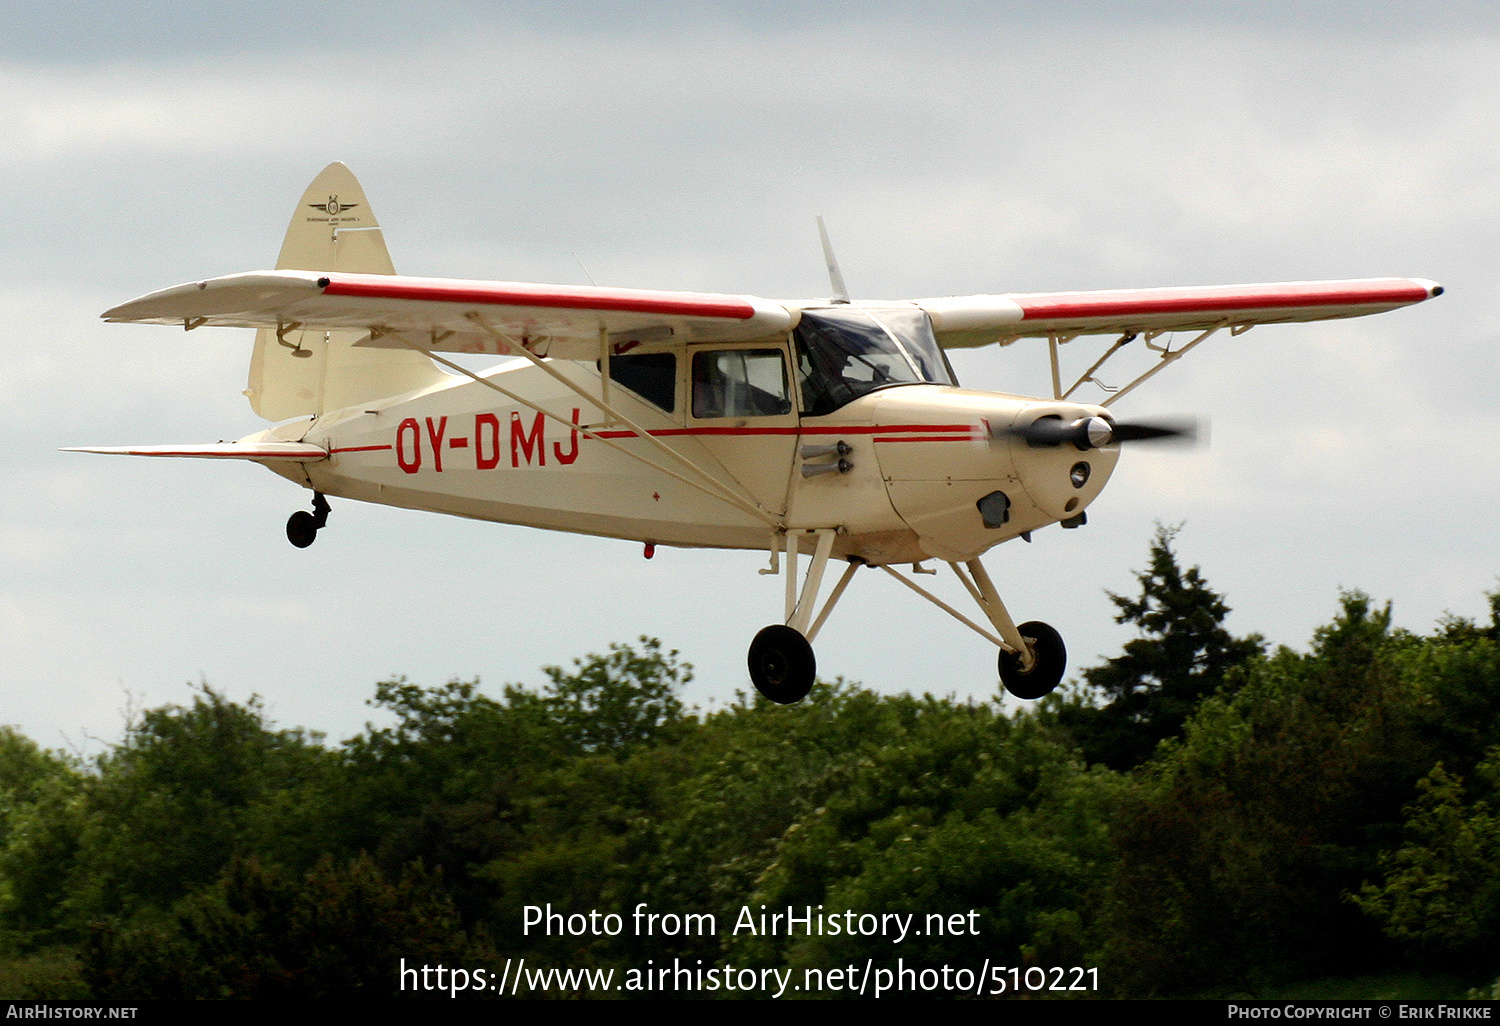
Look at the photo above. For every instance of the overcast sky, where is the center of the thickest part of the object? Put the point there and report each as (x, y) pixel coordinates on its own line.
(952, 149)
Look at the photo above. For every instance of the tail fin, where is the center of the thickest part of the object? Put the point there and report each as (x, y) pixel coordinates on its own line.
(311, 372)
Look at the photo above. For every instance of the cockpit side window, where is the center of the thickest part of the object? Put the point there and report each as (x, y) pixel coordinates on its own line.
(652, 376)
(740, 383)
(845, 353)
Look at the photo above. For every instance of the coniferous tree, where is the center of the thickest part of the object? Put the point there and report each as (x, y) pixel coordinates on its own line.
(1183, 655)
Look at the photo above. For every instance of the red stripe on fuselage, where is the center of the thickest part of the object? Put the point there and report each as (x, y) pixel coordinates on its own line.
(883, 429)
(856, 429)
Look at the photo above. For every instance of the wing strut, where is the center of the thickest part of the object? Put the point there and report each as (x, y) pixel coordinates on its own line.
(945, 607)
(980, 588)
(1088, 375)
(713, 489)
(604, 372)
(833, 598)
(1052, 344)
(1167, 356)
(983, 591)
(743, 499)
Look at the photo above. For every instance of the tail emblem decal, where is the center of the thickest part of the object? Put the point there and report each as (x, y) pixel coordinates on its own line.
(333, 207)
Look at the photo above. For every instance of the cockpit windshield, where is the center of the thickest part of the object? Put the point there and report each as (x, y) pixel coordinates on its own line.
(847, 351)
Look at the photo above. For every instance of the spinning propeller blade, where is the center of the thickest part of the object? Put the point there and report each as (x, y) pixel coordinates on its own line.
(1096, 432)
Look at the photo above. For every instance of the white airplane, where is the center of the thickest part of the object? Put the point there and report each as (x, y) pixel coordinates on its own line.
(825, 428)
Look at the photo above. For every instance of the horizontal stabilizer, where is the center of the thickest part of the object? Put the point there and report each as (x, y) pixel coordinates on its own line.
(260, 452)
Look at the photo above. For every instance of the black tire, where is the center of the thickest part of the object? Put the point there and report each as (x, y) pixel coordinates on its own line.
(782, 666)
(302, 529)
(1046, 673)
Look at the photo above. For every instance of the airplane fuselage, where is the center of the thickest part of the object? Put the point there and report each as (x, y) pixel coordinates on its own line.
(901, 471)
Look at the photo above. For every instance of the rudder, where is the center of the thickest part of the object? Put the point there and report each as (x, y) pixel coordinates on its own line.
(311, 372)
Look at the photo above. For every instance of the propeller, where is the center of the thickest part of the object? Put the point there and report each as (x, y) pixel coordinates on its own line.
(1096, 432)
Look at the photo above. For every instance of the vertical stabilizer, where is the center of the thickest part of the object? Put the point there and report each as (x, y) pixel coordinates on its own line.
(333, 229)
(310, 372)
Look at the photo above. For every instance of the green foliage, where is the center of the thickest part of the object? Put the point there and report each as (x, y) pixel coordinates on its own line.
(189, 789)
(1237, 847)
(26, 775)
(40, 801)
(735, 785)
(1486, 993)
(213, 854)
(1401, 985)
(617, 701)
(521, 800)
(1457, 674)
(1442, 887)
(441, 785)
(258, 932)
(46, 974)
(950, 810)
(1184, 654)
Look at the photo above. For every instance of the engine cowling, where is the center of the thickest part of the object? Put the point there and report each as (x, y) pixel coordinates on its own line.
(964, 479)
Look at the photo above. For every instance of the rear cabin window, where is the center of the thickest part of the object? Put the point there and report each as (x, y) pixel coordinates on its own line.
(740, 383)
(652, 376)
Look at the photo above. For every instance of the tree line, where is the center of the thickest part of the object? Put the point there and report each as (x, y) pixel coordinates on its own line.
(1200, 815)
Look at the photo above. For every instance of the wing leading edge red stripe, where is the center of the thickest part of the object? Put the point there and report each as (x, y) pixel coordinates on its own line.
(443, 290)
(1375, 292)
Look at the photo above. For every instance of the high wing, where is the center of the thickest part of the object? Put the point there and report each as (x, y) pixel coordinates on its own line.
(964, 321)
(462, 316)
(457, 316)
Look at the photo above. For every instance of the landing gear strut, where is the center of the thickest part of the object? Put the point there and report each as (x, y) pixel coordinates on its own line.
(782, 665)
(1033, 658)
(302, 527)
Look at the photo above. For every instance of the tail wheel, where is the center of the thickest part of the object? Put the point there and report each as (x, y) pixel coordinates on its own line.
(302, 529)
(782, 666)
(1046, 671)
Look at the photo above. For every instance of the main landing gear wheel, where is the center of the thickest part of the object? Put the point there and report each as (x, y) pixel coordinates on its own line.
(782, 664)
(302, 527)
(1045, 673)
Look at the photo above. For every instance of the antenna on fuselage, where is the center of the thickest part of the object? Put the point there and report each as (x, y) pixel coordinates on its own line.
(835, 276)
